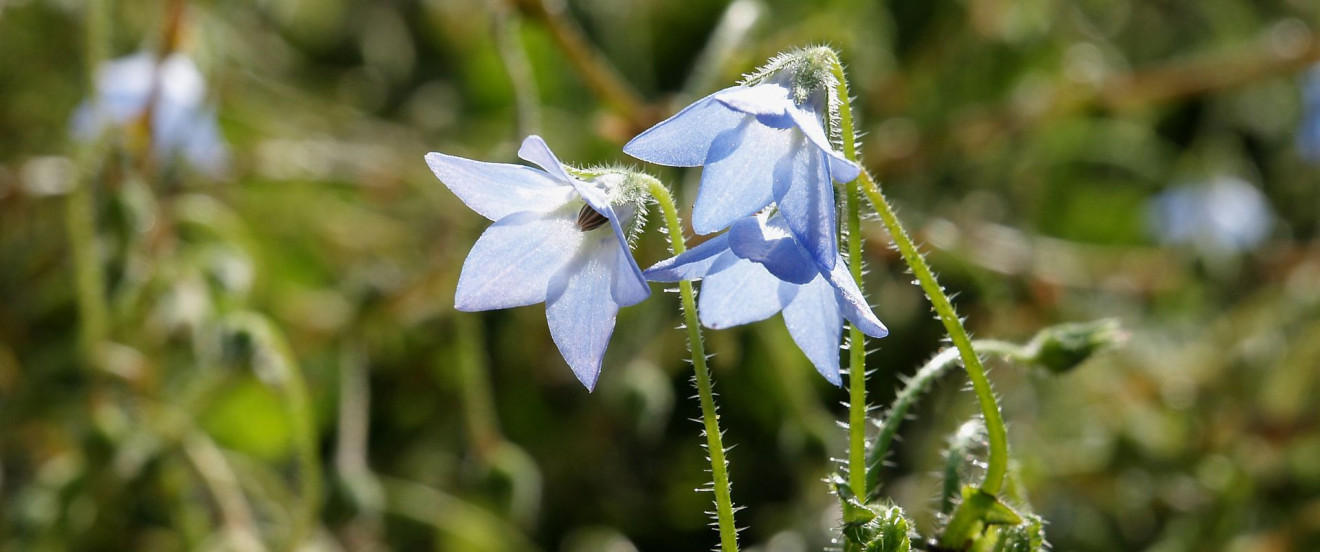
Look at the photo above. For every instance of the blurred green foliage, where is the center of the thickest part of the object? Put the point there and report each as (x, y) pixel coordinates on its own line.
(1023, 141)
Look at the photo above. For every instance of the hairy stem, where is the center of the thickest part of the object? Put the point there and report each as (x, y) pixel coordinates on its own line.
(709, 417)
(920, 382)
(998, 461)
(856, 339)
(994, 422)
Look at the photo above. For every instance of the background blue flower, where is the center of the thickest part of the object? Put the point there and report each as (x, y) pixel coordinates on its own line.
(538, 251)
(757, 269)
(1308, 134)
(181, 122)
(758, 144)
(1225, 215)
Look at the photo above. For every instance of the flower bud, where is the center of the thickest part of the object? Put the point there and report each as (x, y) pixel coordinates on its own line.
(1061, 348)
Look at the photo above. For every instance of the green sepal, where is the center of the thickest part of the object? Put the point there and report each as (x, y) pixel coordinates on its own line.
(871, 528)
(977, 510)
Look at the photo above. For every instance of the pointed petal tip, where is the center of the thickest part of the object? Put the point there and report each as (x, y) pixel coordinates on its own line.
(842, 169)
(589, 383)
(535, 150)
(832, 377)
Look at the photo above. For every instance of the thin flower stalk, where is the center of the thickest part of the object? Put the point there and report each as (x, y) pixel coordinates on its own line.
(709, 416)
(80, 210)
(856, 339)
(998, 434)
(994, 422)
(915, 387)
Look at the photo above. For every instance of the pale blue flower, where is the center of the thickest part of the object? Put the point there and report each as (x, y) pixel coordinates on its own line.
(557, 239)
(1225, 215)
(757, 269)
(181, 122)
(759, 144)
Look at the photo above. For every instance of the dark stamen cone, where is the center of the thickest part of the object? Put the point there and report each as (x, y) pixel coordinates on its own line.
(590, 219)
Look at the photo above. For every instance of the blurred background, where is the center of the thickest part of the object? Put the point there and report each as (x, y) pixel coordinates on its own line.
(226, 322)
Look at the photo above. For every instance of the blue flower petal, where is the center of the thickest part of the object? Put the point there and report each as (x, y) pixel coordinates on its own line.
(739, 175)
(629, 286)
(814, 321)
(694, 264)
(767, 241)
(581, 311)
(535, 150)
(203, 146)
(497, 190)
(124, 86)
(769, 103)
(805, 195)
(512, 263)
(852, 303)
(841, 169)
(742, 293)
(684, 139)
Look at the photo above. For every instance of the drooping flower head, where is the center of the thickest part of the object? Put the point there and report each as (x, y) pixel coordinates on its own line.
(757, 269)
(174, 91)
(560, 237)
(761, 142)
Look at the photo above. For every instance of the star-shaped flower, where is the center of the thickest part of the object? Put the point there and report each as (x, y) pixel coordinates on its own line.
(557, 239)
(181, 122)
(757, 269)
(760, 143)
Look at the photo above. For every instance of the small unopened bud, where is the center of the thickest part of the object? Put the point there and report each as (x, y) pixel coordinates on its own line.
(1061, 348)
(1028, 536)
(871, 527)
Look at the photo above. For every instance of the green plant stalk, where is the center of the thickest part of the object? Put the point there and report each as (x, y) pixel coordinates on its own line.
(920, 382)
(997, 463)
(88, 275)
(80, 209)
(856, 339)
(477, 398)
(709, 416)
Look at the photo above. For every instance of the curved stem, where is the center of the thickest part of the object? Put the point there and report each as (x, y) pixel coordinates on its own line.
(856, 339)
(709, 417)
(998, 461)
(920, 382)
(994, 422)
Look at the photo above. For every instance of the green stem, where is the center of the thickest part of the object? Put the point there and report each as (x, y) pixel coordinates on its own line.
(994, 422)
(915, 387)
(89, 279)
(998, 461)
(856, 339)
(709, 416)
(478, 401)
(80, 212)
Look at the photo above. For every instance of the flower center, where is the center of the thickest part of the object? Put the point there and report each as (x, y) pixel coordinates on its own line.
(590, 219)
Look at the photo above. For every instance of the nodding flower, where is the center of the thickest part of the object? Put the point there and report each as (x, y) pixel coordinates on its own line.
(757, 269)
(558, 238)
(762, 142)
